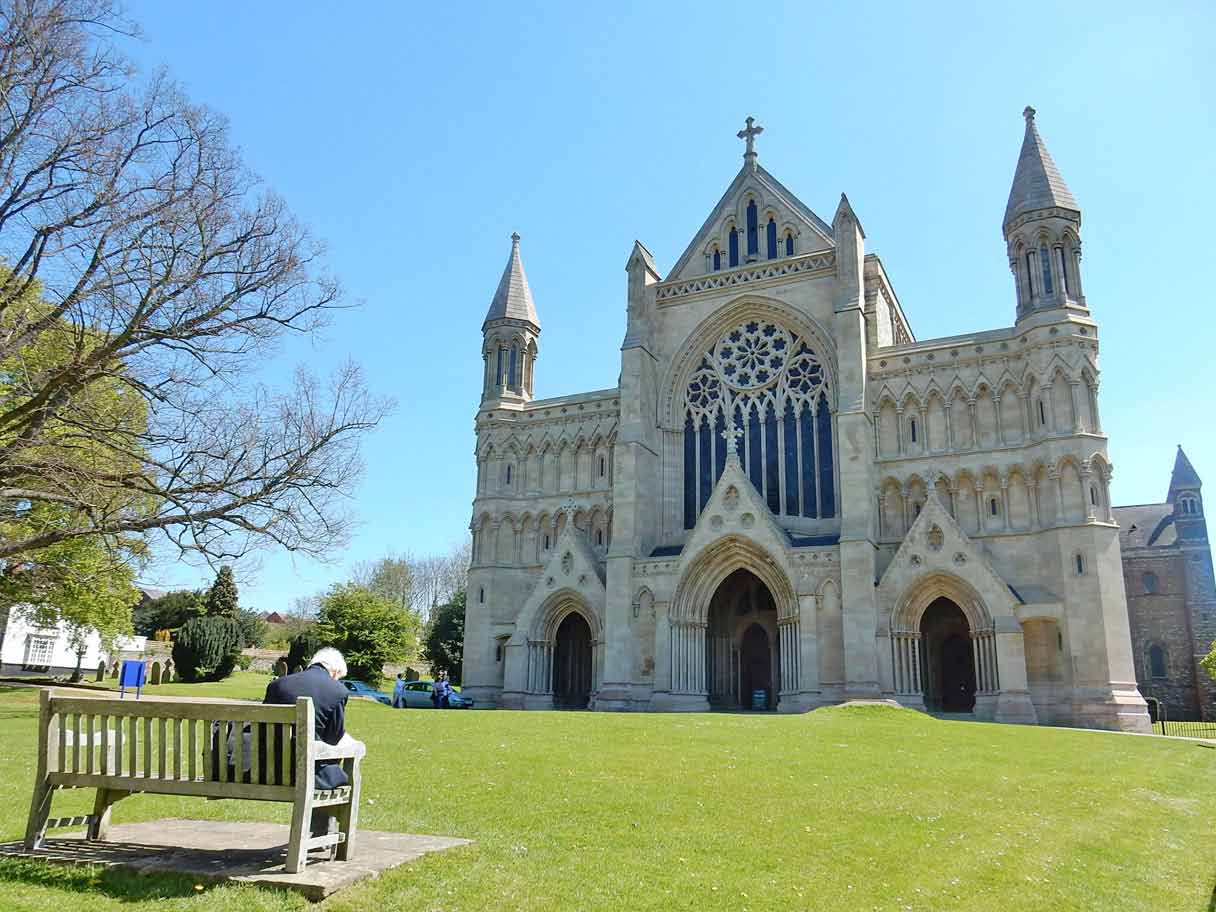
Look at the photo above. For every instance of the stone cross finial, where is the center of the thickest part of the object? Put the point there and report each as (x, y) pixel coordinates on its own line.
(731, 434)
(569, 507)
(749, 133)
(515, 238)
(1028, 113)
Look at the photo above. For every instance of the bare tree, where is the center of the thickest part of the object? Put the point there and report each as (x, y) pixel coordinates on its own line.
(144, 277)
(438, 577)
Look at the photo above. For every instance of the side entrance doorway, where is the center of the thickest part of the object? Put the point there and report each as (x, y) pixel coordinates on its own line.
(572, 657)
(949, 658)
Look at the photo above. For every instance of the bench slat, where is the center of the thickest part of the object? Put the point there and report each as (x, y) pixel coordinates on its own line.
(255, 772)
(105, 745)
(92, 748)
(238, 753)
(236, 710)
(63, 742)
(132, 745)
(198, 789)
(149, 754)
(118, 754)
(177, 748)
(191, 726)
(75, 742)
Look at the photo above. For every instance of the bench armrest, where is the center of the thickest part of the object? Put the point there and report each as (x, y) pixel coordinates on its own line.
(344, 749)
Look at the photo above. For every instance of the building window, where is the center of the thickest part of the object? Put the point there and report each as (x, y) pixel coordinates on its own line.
(789, 243)
(1156, 661)
(498, 370)
(717, 259)
(1150, 582)
(602, 467)
(732, 243)
(753, 229)
(1093, 495)
(508, 474)
(771, 238)
(599, 537)
(498, 652)
(1064, 271)
(512, 374)
(1045, 261)
(1029, 273)
(1059, 641)
(992, 507)
(1042, 413)
(912, 424)
(1080, 563)
(481, 595)
(39, 651)
(546, 542)
(916, 509)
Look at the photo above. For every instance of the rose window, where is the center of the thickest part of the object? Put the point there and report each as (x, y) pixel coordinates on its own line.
(753, 354)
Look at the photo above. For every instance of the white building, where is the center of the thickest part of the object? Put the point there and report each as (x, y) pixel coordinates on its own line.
(27, 648)
(789, 493)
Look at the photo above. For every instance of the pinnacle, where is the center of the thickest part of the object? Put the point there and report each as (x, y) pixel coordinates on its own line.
(513, 299)
(1037, 183)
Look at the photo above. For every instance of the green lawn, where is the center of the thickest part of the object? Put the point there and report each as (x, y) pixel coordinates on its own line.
(852, 808)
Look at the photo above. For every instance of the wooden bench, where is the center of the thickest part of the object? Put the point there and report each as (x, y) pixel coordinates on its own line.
(181, 747)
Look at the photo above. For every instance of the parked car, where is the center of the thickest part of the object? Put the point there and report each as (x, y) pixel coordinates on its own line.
(367, 692)
(417, 695)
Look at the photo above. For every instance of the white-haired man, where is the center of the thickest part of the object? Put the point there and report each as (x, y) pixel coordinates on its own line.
(320, 682)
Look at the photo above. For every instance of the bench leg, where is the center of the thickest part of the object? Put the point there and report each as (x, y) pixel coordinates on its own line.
(40, 813)
(297, 847)
(99, 826)
(348, 814)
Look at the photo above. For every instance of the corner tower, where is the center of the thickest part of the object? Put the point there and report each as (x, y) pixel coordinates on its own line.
(509, 334)
(1187, 500)
(1042, 229)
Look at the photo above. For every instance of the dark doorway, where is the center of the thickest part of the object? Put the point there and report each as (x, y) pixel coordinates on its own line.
(572, 663)
(757, 667)
(949, 658)
(742, 624)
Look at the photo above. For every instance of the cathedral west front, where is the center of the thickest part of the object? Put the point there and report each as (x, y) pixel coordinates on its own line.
(790, 500)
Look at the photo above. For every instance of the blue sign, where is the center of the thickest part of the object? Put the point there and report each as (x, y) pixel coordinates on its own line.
(133, 674)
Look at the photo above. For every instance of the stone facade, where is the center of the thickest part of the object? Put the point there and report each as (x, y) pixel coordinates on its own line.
(791, 501)
(1171, 595)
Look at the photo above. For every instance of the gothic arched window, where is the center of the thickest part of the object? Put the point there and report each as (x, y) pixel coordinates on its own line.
(753, 229)
(1156, 661)
(771, 238)
(717, 259)
(1063, 270)
(733, 246)
(513, 371)
(1045, 262)
(789, 243)
(774, 387)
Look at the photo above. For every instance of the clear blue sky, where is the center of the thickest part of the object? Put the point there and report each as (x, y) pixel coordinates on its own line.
(415, 138)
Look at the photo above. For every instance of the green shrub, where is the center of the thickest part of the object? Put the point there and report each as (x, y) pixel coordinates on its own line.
(207, 648)
(243, 661)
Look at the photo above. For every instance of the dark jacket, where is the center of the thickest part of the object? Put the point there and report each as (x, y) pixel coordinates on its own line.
(329, 705)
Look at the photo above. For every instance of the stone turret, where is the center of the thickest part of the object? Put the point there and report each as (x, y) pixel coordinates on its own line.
(1186, 496)
(509, 334)
(1042, 229)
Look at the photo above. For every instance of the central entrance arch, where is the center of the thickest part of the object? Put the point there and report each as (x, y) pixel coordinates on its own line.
(949, 657)
(572, 655)
(742, 657)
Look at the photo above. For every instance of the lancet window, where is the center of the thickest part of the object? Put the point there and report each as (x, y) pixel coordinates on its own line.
(775, 387)
(770, 237)
(753, 229)
(1045, 262)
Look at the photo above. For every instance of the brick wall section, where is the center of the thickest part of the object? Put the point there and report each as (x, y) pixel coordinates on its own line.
(1162, 617)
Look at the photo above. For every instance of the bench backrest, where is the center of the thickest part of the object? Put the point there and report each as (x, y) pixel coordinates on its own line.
(187, 747)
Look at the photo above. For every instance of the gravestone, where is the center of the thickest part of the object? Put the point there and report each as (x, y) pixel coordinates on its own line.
(101, 671)
(154, 678)
(167, 676)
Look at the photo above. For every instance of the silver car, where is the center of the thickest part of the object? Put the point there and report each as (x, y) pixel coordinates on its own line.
(417, 695)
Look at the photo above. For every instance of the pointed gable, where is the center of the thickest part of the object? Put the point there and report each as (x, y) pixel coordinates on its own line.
(752, 181)
(1184, 477)
(513, 298)
(1037, 183)
(735, 505)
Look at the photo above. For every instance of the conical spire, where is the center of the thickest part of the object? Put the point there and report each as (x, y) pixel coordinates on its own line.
(1037, 183)
(1184, 475)
(513, 299)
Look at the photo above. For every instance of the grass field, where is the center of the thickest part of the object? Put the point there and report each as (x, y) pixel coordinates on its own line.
(841, 809)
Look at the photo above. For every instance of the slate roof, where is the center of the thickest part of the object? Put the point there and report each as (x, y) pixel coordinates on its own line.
(513, 299)
(1184, 474)
(1146, 525)
(1037, 183)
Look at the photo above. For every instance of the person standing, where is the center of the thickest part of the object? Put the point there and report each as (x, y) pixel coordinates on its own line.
(399, 691)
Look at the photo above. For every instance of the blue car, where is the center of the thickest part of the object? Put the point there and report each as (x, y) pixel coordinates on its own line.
(367, 692)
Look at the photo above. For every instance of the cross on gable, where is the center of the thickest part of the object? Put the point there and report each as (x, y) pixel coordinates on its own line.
(749, 133)
(731, 434)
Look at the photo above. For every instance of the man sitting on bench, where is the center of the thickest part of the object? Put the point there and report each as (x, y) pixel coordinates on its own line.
(320, 681)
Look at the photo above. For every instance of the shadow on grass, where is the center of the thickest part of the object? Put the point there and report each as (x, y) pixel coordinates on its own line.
(117, 883)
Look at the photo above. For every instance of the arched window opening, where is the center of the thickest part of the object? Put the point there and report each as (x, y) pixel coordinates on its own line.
(498, 369)
(481, 595)
(546, 542)
(992, 506)
(599, 537)
(916, 509)
(733, 246)
(1045, 261)
(753, 232)
(1093, 495)
(717, 258)
(771, 238)
(1029, 273)
(774, 388)
(498, 652)
(512, 373)
(1079, 560)
(912, 424)
(1156, 661)
(602, 467)
(1042, 414)
(508, 474)
(1150, 583)
(1060, 258)
(789, 243)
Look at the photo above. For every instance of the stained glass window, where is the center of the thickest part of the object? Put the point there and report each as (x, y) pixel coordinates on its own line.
(717, 259)
(733, 243)
(771, 238)
(753, 233)
(789, 244)
(775, 386)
